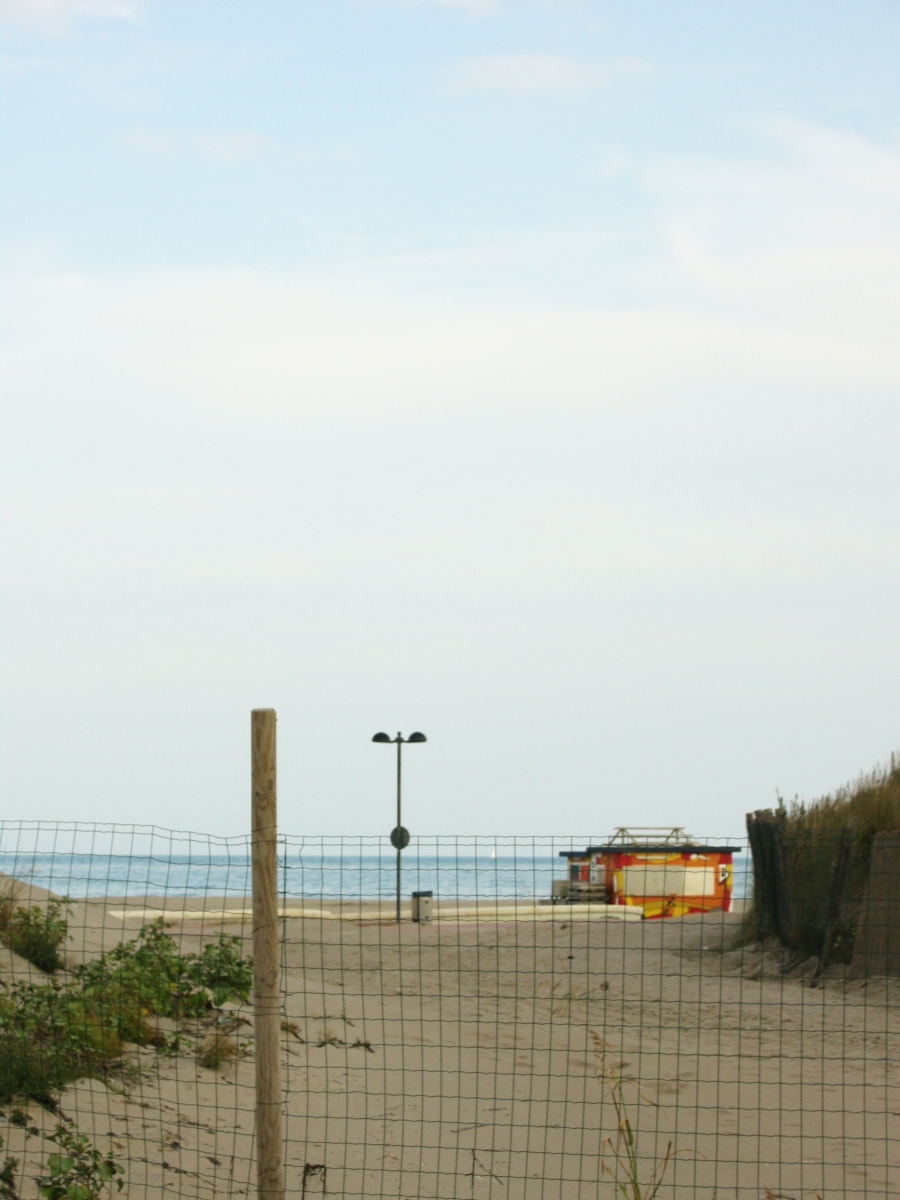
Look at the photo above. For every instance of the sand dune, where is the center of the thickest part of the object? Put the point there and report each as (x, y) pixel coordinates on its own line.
(459, 1059)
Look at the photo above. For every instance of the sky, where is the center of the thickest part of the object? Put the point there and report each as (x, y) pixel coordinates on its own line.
(525, 372)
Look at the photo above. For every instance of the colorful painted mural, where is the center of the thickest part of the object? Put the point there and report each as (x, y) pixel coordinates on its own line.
(664, 872)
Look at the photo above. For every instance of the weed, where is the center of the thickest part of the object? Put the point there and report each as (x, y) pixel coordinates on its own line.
(34, 932)
(315, 1179)
(625, 1169)
(770, 1195)
(8, 1177)
(171, 1047)
(564, 995)
(293, 1029)
(329, 1037)
(218, 1050)
(359, 1044)
(19, 1118)
(80, 1172)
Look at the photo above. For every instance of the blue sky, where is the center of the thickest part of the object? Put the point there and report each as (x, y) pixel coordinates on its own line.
(523, 372)
(292, 134)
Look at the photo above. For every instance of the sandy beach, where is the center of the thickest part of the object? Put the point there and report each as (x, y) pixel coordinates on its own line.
(465, 1058)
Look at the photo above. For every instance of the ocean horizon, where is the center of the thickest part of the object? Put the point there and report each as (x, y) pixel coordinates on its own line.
(311, 868)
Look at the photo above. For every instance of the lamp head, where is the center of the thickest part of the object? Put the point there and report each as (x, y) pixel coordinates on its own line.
(417, 737)
(381, 737)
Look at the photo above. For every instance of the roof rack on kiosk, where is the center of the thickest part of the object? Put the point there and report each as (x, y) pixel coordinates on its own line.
(650, 835)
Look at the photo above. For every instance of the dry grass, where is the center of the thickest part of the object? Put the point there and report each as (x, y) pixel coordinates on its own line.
(361, 1044)
(217, 1051)
(329, 1037)
(620, 1161)
(872, 803)
(810, 836)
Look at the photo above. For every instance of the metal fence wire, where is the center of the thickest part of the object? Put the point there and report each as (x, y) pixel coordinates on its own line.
(509, 1047)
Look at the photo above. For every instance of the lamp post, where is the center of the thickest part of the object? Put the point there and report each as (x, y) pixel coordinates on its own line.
(399, 835)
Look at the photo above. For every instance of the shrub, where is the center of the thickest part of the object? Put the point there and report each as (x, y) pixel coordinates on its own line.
(53, 1033)
(36, 933)
(221, 969)
(80, 1172)
(150, 975)
(48, 1037)
(132, 981)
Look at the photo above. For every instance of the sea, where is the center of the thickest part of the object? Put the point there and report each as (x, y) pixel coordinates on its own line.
(95, 862)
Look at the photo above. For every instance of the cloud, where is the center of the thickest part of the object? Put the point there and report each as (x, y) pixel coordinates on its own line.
(55, 16)
(225, 148)
(535, 73)
(474, 7)
(229, 484)
(803, 232)
(668, 520)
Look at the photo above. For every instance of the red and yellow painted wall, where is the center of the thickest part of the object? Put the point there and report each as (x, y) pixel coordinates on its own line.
(665, 881)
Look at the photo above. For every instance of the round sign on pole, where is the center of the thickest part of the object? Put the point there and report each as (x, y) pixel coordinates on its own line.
(400, 838)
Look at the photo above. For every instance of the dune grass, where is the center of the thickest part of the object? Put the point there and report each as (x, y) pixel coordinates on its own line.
(811, 864)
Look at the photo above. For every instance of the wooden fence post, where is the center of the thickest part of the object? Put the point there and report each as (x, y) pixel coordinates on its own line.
(266, 958)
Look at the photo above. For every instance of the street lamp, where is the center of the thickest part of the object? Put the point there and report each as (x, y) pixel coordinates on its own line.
(399, 835)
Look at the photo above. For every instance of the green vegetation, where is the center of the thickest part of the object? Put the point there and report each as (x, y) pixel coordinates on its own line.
(620, 1160)
(811, 865)
(53, 1033)
(49, 1036)
(8, 1177)
(37, 932)
(80, 1172)
(149, 976)
(221, 970)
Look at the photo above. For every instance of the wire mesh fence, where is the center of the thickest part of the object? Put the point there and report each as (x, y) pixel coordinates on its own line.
(502, 1045)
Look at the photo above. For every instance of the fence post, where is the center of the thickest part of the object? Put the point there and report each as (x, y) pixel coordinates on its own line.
(266, 959)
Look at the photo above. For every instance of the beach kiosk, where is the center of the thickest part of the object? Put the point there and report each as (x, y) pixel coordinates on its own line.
(663, 871)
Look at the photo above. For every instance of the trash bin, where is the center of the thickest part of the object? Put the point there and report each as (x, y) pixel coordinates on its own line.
(421, 906)
(560, 891)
